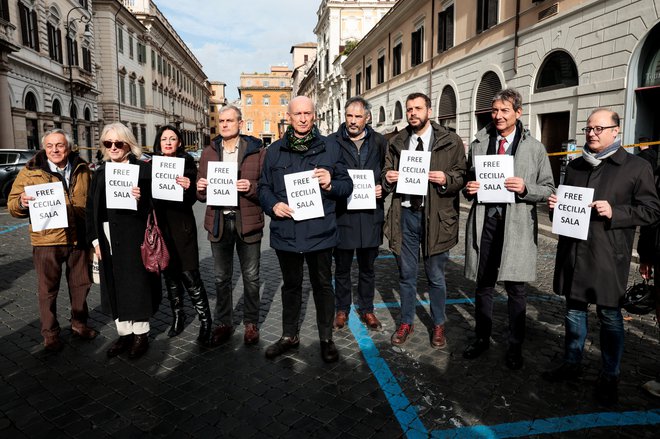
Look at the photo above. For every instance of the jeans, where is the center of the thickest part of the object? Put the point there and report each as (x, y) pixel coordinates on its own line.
(366, 278)
(319, 264)
(412, 232)
(248, 256)
(611, 336)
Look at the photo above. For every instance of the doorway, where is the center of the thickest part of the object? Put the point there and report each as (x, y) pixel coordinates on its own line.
(554, 132)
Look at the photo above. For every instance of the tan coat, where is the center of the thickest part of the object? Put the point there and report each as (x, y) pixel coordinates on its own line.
(37, 172)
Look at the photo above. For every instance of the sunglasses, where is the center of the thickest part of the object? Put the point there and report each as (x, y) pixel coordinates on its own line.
(119, 144)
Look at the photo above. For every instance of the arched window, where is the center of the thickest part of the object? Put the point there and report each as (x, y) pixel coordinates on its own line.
(381, 115)
(447, 108)
(398, 111)
(490, 84)
(88, 114)
(557, 71)
(30, 102)
(57, 108)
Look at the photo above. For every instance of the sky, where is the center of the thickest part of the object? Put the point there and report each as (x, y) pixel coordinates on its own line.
(230, 37)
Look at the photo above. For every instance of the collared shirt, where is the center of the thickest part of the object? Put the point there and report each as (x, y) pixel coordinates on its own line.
(412, 146)
(509, 141)
(66, 172)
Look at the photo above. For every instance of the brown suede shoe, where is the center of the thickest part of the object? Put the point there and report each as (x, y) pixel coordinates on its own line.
(221, 334)
(84, 332)
(53, 343)
(438, 340)
(371, 321)
(340, 320)
(251, 335)
(402, 333)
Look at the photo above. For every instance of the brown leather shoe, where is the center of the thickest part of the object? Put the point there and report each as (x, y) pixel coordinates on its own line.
(53, 343)
(251, 335)
(340, 320)
(372, 322)
(438, 340)
(84, 332)
(140, 346)
(122, 344)
(221, 334)
(401, 334)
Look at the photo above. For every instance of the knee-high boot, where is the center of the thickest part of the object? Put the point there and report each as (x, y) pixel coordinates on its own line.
(195, 286)
(175, 294)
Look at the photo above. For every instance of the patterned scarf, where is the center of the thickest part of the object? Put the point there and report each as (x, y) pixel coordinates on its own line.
(297, 144)
(594, 158)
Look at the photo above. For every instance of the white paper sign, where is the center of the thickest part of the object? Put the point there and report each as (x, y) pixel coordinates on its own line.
(304, 195)
(222, 178)
(364, 190)
(48, 209)
(414, 168)
(572, 212)
(491, 171)
(164, 171)
(119, 179)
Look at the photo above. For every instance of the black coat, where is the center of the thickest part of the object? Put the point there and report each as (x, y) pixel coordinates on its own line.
(596, 270)
(128, 291)
(361, 228)
(177, 221)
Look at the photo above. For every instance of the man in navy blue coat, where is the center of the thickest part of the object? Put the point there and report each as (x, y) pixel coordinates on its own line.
(304, 149)
(360, 231)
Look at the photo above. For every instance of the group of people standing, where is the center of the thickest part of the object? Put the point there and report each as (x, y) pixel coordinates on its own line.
(501, 238)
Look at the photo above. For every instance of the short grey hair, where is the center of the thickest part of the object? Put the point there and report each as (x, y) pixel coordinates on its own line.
(231, 107)
(66, 135)
(509, 95)
(358, 100)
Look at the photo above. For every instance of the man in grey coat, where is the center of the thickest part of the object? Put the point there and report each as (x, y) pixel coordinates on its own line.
(501, 239)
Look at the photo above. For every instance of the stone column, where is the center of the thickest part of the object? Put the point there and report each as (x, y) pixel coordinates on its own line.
(6, 125)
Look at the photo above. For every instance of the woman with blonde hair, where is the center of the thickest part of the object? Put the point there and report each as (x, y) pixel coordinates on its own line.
(129, 292)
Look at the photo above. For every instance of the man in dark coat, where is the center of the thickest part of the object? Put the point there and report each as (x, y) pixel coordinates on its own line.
(360, 231)
(429, 222)
(235, 227)
(304, 149)
(596, 270)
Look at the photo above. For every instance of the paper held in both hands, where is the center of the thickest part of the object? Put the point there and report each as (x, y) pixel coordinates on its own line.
(490, 172)
(304, 195)
(572, 213)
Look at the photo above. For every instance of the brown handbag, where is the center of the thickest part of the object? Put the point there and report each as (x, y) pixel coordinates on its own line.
(155, 255)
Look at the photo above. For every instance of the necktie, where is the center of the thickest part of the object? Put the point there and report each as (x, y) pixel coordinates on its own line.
(501, 150)
(416, 200)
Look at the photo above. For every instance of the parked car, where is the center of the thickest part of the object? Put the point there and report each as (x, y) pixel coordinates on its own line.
(196, 154)
(11, 162)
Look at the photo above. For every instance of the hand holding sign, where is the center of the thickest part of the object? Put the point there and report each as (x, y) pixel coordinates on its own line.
(491, 172)
(572, 211)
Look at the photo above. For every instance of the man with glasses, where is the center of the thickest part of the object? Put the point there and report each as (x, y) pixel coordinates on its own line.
(51, 248)
(501, 241)
(595, 271)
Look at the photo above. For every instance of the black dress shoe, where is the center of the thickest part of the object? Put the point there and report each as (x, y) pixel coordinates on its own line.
(139, 347)
(122, 344)
(476, 348)
(329, 351)
(565, 372)
(514, 358)
(607, 391)
(281, 346)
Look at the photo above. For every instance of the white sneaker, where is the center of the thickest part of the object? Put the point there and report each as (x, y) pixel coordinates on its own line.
(653, 387)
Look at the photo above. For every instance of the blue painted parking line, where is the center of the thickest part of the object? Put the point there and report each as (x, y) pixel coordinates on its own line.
(7, 229)
(413, 427)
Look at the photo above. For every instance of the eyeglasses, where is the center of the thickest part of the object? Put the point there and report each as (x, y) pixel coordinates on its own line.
(597, 129)
(118, 143)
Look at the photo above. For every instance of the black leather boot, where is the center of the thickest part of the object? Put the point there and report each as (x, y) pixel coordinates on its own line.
(175, 294)
(195, 286)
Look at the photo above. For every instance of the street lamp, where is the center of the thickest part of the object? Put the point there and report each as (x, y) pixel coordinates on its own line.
(70, 46)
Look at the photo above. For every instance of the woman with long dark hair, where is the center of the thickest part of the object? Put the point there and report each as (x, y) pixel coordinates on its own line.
(180, 230)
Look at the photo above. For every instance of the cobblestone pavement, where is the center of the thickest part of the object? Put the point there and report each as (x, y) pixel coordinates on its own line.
(179, 389)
